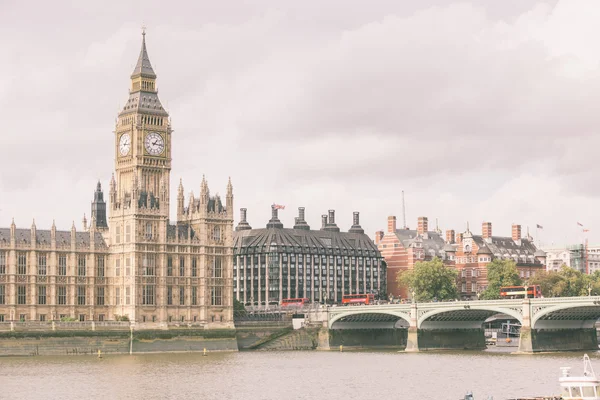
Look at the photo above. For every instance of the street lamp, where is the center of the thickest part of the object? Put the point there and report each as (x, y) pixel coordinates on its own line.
(413, 296)
(526, 291)
(589, 289)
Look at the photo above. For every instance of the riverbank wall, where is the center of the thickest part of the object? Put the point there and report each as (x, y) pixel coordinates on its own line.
(115, 341)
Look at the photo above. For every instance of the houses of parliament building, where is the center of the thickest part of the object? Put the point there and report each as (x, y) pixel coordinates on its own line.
(129, 262)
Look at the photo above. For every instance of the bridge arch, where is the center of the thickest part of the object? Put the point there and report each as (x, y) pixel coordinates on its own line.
(473, 309)
(573, 314)
(355, 313)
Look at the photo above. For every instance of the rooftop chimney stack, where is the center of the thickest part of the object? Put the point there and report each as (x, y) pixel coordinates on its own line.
(323, 221)
(450, 236)
(274, 222)
(300, 222)
(486, 231)
(392, 224)
(356, 228)
(243, 224)
(331, 226)
(378, 237)
(459, 238)
(516, 232)
(422, 226)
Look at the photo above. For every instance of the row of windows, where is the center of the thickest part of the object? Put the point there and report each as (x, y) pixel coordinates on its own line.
(301, 258)
(42, 264)
(61, 295)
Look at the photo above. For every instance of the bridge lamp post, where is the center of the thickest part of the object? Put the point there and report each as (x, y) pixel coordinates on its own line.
(589, 289)
(526, 291)
(413, 296)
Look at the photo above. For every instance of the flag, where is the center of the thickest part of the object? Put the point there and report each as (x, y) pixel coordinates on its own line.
(580, 224)
(278, 207)
(539, 226)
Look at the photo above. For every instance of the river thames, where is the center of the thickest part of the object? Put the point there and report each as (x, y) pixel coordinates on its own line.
(288, 375)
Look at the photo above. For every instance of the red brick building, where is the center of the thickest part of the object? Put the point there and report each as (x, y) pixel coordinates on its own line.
(470, 254)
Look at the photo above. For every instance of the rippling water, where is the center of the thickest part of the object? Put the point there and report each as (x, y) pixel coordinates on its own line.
(287, 375)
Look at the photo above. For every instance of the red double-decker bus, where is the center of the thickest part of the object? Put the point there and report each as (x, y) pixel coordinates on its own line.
(520, 292)
(294, 302)
(357, 299)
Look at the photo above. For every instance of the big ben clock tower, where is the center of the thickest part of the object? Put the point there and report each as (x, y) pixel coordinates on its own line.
(139, 191)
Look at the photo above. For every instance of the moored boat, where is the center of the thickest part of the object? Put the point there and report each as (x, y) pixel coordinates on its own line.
(586, 387)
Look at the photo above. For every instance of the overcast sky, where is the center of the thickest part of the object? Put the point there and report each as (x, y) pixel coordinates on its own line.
(478, 110)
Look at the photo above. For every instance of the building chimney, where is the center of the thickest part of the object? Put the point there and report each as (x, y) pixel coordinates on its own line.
(243, 225)
(450, 236)
(378, 237)
(274, 222)
(486, 230)
(356, 228)
(331, 226)
(459, 237)
(392, 224)
(422, 226)
(323, 221)
(300, 221)
(516, 232)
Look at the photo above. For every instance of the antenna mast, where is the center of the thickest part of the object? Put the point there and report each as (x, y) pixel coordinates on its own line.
(403, 212)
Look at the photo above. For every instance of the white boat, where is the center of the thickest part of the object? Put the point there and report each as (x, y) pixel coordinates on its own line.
(586, 387)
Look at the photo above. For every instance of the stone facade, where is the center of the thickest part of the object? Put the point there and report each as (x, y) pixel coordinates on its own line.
(134, 263)
(276, 263)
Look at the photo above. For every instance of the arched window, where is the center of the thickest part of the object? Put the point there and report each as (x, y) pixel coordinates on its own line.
(217, 233)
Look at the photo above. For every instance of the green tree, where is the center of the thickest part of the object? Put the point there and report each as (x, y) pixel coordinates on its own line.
(500, 273)
(430, 280)
(567, 282)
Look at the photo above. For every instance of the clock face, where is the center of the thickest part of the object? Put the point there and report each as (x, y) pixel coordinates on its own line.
(124, 144)
(154, 144)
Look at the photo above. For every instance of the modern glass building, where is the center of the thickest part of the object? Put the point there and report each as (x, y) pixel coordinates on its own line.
(275, 263)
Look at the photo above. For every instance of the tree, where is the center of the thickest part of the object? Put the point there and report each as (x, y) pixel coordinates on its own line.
(430, 280)
(500, 273)
(567, 282)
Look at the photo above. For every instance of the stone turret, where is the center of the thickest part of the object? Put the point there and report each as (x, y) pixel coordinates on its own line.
(243, 225)
(180, 200)
(33, 234)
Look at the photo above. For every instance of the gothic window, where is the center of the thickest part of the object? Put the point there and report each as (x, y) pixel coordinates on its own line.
(118, 267)
(149, 264)
(217, 233)
(62, 295)
(194, 266)
(118, 296)
(181, 266)
(62, 264)
(81, 295)
(22, 264)
(42, 264)
(217, 267)
(118, 233)
(128, 266)
(2, 294)
(181, 295)
(170, 295)
(148, 230)
(169, 266)
(148, 295)
(100, 296)
(127, 233)
(216, 298)
(127, 296)
(41, 295)
(100, 266)
(21, 294)
(2, 262)
(81, 265)
(194, 296)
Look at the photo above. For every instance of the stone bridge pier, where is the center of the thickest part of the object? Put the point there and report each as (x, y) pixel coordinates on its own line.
(556, 324)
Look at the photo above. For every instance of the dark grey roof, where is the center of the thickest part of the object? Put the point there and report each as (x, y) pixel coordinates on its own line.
(449, 247)
(143, 66)
(433, 245)
(484, 250)
(539, 253)
(506, 247)
(43, 236)
(303, 241)
(146, 102)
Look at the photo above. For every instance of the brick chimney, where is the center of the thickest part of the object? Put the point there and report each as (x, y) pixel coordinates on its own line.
(391, 224)
(516, 232)
(486, 230)
(422, 226)
(378, 237)
(450, 236)
(459, 237)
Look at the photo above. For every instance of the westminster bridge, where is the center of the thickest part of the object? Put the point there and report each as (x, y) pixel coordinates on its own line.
(547, 324)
